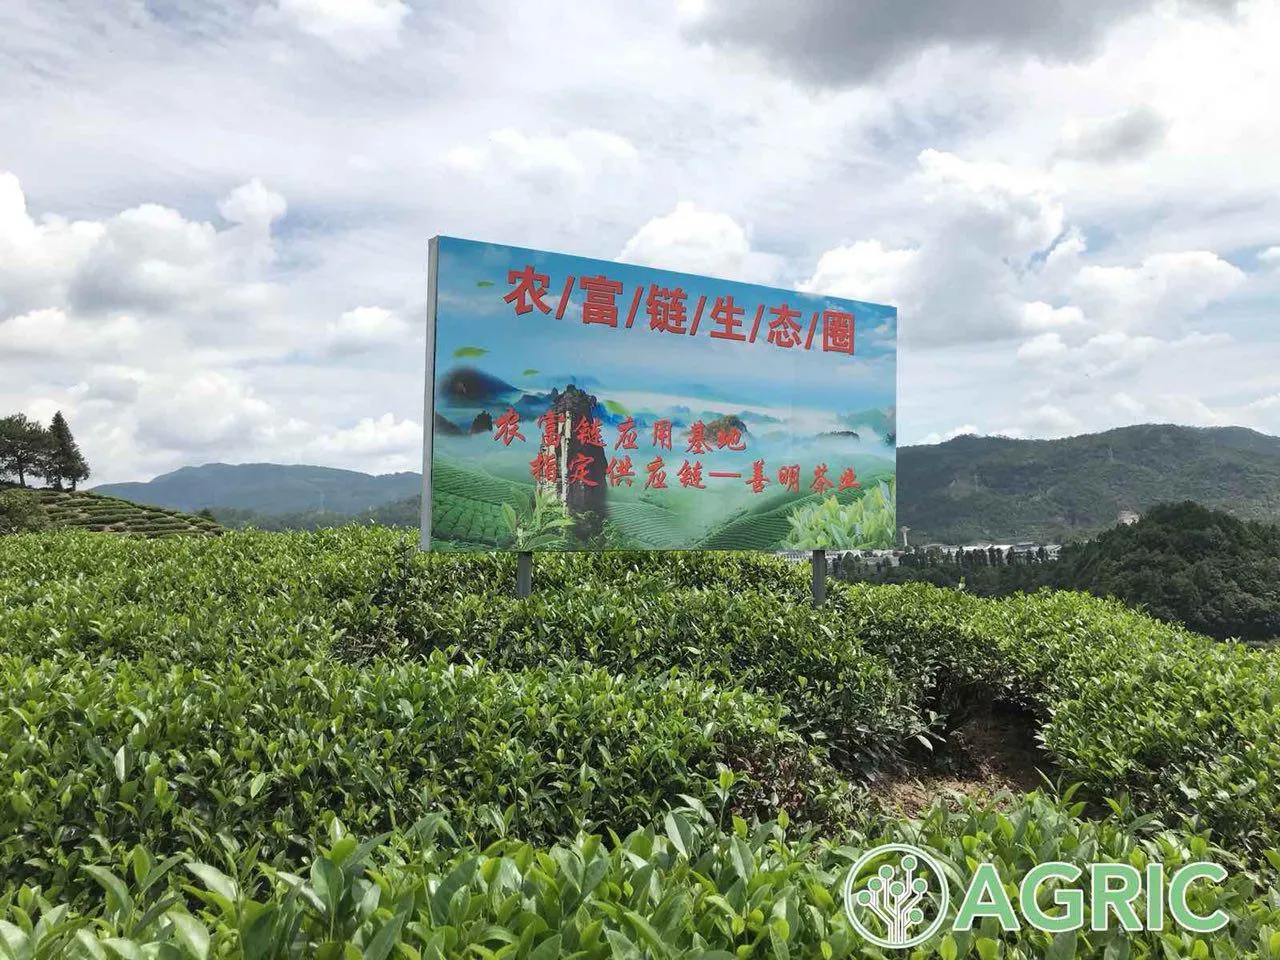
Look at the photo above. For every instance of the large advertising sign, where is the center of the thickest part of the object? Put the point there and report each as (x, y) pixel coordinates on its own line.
(577, 404)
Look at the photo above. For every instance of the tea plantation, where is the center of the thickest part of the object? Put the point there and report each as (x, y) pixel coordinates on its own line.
(328, 745)
(85, 510)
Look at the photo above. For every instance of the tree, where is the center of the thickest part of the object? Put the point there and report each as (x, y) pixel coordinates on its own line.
(63, 460)
(24, 446)
(20, 512)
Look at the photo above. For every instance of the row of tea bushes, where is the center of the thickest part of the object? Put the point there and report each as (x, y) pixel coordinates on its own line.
(296, 592)
(1125, 703)
(837, 694)
(204, 601)
(361, 592)
(97, 756)
(681, 887)
(1184, 723)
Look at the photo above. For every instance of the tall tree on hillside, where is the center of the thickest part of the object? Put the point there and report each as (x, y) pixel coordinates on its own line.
(23, 447)
(63, 459)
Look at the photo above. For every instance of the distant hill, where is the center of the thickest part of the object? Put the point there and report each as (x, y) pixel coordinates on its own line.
(964, 490)
(85, 510)
(268, 488)
(1182, 563)
(991, 488)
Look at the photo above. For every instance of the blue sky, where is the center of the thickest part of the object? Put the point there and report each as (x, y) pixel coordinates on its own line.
(214, 217)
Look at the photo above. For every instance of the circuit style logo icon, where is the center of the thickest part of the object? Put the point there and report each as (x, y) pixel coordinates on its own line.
(896, 896)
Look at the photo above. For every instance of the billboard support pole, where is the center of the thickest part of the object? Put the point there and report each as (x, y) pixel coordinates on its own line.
(524, 573)
(819, 565)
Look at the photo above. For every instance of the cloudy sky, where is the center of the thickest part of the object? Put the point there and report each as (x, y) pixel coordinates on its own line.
(214, 213)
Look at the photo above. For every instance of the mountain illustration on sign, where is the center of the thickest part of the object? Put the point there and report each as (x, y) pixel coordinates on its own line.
(447, 427)
(727, 423)
(469, 387)
(584, 464)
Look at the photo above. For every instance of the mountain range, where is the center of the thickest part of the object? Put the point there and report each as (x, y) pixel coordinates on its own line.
(269, 488)
(966, 489)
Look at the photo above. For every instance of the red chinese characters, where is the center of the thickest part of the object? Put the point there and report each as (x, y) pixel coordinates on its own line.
(578, 469)
(784, 328)
(507, 427)
(666, 309)
(626, 435)
(528, 287)
(552, 423)
(600, 305)
(730, 438)
(669, 310)
(698, 439)
(587, 432)
(657, 479)
(662, 434)
(837, 332)
(620, 471)
(789, 477)
(690, 475)
(821, 483)
(727, 317)
(543, 467)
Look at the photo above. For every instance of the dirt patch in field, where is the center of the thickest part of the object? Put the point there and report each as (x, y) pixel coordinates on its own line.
(994, 750)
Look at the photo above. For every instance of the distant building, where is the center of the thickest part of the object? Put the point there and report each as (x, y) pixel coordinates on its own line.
(1127, 518)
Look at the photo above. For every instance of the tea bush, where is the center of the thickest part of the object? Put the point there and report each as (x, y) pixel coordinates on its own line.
(680, 887)
(1126, 704)
(216, 699)
(836, 692)
(173, 757)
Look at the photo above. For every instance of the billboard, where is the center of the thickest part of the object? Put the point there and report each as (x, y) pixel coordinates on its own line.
(576, 404)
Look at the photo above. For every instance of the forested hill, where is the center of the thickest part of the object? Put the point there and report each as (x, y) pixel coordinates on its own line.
(968, 489)
(1182, 562)
(990, 488)
(269, 488)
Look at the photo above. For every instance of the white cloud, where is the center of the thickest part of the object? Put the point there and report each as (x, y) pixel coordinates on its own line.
(852, 41)
(357, 29)
(934, 178)
(579, 154)
(864, 270)
(383, 437)
(205, 411)
(1039, 316)
(1045, 347)
(253, 205)
(1162, 291)
(367, 328)
(1123, 136)
(967, 430)
(110, 384)
(51, 334)
(695, 240)
(37, 260)
(148, 259)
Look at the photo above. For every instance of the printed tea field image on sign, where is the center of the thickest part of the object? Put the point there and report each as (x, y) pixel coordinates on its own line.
(577, 404)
